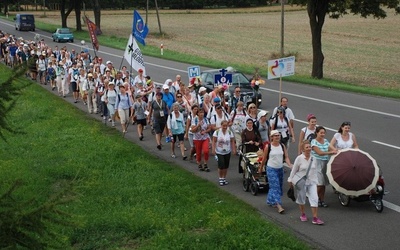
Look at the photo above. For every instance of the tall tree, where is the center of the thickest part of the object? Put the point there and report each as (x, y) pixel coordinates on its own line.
(64, 15)
(97, 16)
(77, 7)
(10, 91)
(318, 9)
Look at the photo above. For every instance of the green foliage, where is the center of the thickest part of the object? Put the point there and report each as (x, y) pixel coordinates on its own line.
(30, 223)
(10, 90)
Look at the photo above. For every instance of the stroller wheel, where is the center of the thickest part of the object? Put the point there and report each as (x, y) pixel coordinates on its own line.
(344, 199)
(246, 185)
(378, 205)
(254, 188)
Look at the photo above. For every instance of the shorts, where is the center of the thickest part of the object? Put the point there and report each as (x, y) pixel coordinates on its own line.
(74, 87)
(321, 172)
(142, 122)
(159, 126)
(181, 137)
(223, 161)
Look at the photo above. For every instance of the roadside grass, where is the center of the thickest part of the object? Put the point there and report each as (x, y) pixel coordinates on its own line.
(127, 197)
(358, 59)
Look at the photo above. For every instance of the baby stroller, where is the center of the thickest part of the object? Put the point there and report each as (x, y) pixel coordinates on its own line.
(252, 180)
(375, 195)
(355, 175)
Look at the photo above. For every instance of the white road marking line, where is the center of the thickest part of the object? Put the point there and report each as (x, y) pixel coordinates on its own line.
(335, 103)
(386, 144)
(391, 206)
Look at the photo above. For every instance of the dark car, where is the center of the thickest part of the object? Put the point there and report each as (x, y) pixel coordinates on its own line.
(24, 22)
(238, 79)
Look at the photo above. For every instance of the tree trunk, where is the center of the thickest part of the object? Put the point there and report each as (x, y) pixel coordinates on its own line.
(64, 15)
(97, 15)
(77, 7)
(316, 12)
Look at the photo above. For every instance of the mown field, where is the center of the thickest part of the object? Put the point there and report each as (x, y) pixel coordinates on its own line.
(357, 50)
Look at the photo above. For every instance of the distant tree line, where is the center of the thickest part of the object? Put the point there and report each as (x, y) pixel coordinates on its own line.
(141, 4)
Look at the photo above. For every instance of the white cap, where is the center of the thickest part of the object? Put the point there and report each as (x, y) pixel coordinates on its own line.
(165, 86)
(202, 89)
(109, 62)
(262, 113)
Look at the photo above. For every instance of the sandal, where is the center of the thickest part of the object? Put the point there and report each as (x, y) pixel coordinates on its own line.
(201, 167)
(205, 168)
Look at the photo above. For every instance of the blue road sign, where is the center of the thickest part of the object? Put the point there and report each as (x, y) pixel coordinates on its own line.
(222, 78)
(193, 71)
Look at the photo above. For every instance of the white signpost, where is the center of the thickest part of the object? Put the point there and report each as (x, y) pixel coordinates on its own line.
(279, 68)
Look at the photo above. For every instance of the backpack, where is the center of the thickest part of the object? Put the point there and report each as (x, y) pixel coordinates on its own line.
(311, 136)
(276, 121)
(269, 150)
(234, 114)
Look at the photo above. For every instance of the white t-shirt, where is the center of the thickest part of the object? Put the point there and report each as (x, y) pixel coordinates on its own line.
(275, 159)
(223, 144)
(342, 144)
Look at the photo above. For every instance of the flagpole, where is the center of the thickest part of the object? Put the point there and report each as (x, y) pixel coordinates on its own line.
(122, 61)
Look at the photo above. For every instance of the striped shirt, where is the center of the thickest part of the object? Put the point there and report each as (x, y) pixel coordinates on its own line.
(323, 147)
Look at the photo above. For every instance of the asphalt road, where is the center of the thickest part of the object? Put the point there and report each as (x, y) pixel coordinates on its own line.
(375, 122)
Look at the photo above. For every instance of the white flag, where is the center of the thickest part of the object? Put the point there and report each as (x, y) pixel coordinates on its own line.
(134, 56)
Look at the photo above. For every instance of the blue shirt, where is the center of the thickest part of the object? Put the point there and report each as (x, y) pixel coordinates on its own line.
(169, 99)
(123, 102)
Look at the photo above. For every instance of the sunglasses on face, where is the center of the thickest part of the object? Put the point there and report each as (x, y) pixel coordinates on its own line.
(178, 96)
(252, 107)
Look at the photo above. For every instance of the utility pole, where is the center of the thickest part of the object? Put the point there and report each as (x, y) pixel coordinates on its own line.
(282, 27)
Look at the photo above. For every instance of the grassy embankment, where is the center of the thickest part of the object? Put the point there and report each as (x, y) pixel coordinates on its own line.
(127, 198)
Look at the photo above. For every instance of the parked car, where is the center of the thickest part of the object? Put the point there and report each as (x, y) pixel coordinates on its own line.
(238, 79)
(24, 22)
(63, 35)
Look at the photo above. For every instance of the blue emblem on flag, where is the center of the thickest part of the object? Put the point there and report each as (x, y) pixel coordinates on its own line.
(139, 28)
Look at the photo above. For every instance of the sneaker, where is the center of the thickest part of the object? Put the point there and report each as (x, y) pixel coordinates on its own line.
(159, 147)
(141, 138)
(226, 182)
(173, 156)
(104, 118)
(303, 218)
(221, 182)
(112, 124)
(184, 157)
(322, 204)
(317, 221)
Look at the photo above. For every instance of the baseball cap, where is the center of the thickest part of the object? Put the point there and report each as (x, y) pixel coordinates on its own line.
(202, 89)
(109, 62)
(216, 99)
(165, 86)
(262, 113)
(274, 132)
(140, 70)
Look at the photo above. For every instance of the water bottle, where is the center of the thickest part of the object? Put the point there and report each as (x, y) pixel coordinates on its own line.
(216, 158)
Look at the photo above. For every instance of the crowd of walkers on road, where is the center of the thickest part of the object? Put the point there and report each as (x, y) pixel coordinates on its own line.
(177, 112)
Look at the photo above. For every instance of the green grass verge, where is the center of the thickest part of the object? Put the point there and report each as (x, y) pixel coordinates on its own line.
(120, 43)
(127, 197)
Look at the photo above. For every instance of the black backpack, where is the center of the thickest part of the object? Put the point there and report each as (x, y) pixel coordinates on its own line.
(311, 136)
